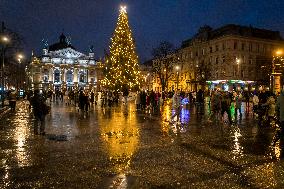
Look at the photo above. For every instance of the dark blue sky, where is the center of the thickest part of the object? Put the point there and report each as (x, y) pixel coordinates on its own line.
(90, 22)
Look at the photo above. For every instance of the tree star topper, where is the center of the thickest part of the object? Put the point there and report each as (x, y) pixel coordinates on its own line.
(123, 8)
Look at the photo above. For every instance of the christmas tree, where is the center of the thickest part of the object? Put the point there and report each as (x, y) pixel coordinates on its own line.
(122, 69)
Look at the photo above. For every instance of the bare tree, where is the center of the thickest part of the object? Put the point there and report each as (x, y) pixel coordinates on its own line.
(14, 71)
(203, 73)
(163, 62)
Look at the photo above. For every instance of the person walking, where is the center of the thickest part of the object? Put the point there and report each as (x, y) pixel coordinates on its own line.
(238, 101)
(40, 110)
(225, 106)
(96, 98)
(255, 102)
(125, 95)
(271, 108)
(247, 99)
(92, 99)
(138, 100)
(199, 101)
(81, 102)
(13, 100)
(280, 113)
(143, 97)
(215, 106)
(176, 104)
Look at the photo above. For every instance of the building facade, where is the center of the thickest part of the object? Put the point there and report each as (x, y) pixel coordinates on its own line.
(228, 57)
(61, 67)
(232, 54)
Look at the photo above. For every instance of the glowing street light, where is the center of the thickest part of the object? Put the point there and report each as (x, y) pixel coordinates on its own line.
(5, 39)
(238, 61)
(177, 68)
(279, 52)
(20, 57)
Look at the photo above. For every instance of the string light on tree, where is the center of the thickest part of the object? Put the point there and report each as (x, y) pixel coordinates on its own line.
(122, 69)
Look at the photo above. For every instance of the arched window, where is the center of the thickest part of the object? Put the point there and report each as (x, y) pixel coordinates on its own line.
(45, 75)
(56, 76)
(69, 76)
(82, 76)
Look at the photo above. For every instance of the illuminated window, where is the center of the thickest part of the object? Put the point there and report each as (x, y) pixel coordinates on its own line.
(69, 76)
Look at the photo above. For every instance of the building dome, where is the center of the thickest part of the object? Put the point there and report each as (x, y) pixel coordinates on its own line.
(62, 44)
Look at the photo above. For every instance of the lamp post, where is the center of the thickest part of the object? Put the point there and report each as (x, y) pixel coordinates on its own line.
(4, 41)
(238, 61)
(177, 70)
(19, 57)
(277, 64)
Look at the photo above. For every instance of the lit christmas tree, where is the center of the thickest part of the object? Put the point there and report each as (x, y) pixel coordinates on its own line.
(122, 69)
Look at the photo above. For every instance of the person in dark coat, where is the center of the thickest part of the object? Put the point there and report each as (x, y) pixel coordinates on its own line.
(40, 110)
(92, 97)
(81, 101)
(200, 101)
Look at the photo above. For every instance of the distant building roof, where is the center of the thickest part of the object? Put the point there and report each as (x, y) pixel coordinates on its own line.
(207, 33)
(62, 44)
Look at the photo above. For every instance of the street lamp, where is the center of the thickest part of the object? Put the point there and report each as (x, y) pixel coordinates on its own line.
(177, 70)
(4, 41)
(20, 57)
(279, 52)
(277, 69)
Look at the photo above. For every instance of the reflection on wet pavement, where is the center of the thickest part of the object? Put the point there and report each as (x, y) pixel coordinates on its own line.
(121, 137)
(120, 147)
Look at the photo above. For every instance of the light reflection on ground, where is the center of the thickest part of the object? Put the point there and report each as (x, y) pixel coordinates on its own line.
(110, 145)
(121, 138)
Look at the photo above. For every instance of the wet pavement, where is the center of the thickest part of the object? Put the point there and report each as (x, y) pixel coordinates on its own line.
(120, 147)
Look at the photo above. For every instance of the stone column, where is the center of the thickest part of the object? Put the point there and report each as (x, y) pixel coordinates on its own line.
(62, 75)
(51, 75)
(75, 78)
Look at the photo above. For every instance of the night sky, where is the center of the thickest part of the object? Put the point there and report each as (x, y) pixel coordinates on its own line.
(91, 22)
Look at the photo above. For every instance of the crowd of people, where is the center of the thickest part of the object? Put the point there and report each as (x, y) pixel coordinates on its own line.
(223, 106)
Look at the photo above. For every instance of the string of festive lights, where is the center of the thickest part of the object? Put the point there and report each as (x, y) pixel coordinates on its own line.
(122, 69)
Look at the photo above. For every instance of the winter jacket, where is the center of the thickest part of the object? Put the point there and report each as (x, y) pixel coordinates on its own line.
(176, 101)
(239, 101)
(271, 106)
(138, 99)
(255, 100)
